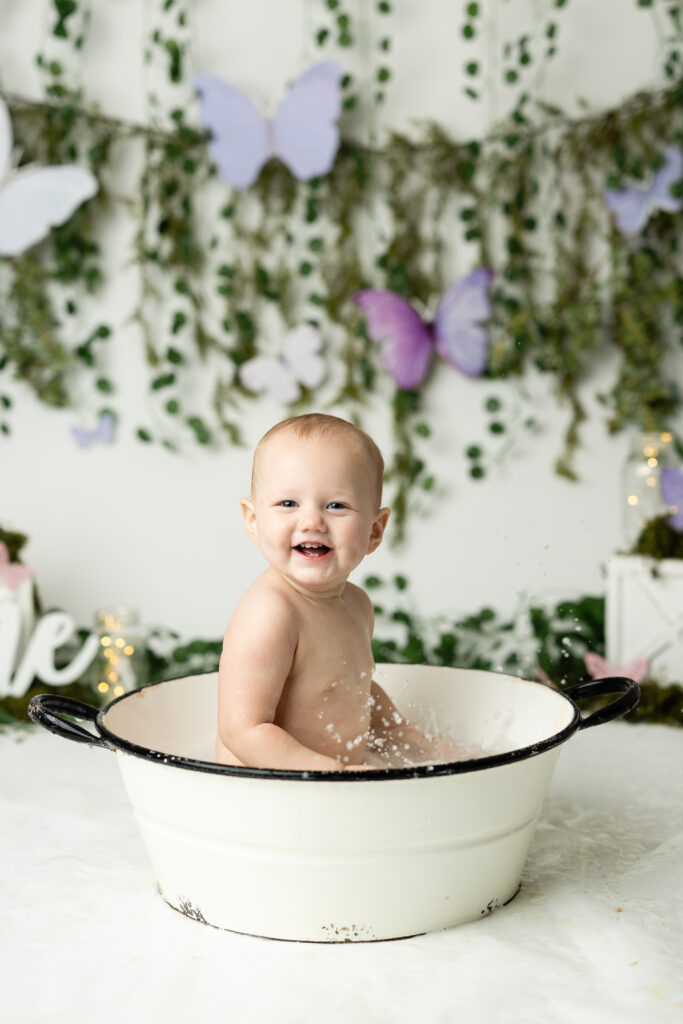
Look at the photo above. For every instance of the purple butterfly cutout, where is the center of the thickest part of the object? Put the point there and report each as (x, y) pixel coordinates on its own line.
(303, 133)
(456, 333)
(103, 432)
(633, 206)
(672, 492)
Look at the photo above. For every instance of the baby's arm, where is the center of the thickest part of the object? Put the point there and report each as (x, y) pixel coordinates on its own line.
(395, 740)
(258, 651)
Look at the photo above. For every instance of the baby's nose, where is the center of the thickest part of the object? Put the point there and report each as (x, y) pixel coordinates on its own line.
(313, 519)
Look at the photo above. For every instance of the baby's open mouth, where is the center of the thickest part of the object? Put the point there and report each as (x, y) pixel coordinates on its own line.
(313, 550)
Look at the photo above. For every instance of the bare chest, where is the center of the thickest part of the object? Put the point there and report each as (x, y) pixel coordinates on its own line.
(327, 696)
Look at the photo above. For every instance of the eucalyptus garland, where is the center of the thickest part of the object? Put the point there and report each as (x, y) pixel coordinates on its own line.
(551, 638)
(225, 273)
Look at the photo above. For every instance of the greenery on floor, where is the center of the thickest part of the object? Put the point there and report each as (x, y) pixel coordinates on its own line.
(539, 639)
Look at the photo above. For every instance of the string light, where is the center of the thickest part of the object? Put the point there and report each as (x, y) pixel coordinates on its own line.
(643, 502)
(120, 661)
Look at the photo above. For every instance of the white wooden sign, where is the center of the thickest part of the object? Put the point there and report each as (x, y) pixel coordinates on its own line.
(37, 659)
(645, 614)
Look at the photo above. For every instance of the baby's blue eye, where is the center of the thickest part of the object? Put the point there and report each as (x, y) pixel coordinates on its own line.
(288, 503)
(336, 505)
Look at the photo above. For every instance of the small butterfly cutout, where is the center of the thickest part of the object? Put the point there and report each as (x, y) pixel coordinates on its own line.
(408, 342)
(281, 377)
(12, 574)
(599, 668)
(34, 199)
(633, 206)
(671, 483)
(303, 133)
(103, 432)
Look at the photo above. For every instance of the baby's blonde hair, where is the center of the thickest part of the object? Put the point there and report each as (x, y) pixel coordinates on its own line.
(319, 424)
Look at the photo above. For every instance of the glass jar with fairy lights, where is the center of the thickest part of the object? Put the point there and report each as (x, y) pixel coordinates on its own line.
(643, 501)
(119, 665)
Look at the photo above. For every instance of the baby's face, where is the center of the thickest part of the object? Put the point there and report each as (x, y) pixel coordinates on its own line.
(313, 510)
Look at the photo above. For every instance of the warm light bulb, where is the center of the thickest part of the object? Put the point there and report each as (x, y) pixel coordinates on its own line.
(103, 687)
(651, 482)
(649, 451)
(119, 642)
(632, 499)
(129, 650)
(119, 691)
(113, 677)
(650, 462)
(105, 641)
(666, 437)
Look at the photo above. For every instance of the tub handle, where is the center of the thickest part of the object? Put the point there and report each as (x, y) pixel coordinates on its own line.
(47, 709)
(628, 688)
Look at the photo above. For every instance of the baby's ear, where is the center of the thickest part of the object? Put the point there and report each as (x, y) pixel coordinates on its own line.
(378, 527)
(249, 517)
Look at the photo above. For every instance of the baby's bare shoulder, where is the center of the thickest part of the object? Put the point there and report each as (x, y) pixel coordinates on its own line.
(358, 599)
(266, 602)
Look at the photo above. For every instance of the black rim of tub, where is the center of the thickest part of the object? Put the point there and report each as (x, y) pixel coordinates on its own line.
(47, 710)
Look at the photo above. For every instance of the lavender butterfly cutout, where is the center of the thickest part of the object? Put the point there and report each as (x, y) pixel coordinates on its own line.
(633, 206)
(671, 482)
(103, 432)
(457, 334)
(303, 133)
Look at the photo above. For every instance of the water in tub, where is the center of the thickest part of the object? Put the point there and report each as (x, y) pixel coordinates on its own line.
(466, 750)
(496, 741)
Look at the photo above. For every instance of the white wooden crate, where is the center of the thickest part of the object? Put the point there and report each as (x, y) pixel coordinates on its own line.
(644, 614)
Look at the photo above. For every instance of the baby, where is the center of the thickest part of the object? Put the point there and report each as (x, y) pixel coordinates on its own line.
(295, 679)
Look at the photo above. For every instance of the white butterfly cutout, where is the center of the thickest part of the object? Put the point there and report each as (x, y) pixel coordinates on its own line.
(281, 377)
(34, 199)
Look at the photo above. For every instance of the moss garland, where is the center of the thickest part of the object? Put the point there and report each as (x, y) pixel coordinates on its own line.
(529, 199)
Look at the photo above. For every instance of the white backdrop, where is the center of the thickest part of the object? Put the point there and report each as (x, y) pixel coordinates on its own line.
(137, 525)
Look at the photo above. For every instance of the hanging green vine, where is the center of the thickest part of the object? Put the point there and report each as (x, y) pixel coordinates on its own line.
(224, 272)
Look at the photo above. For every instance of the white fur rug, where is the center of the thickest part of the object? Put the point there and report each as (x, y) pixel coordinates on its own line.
(596, 933)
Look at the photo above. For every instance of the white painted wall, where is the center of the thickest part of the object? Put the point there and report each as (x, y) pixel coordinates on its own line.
(136, 525)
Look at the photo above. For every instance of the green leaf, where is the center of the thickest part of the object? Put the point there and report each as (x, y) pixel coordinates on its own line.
(372, 582)
(200, 430)
(165, 380)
